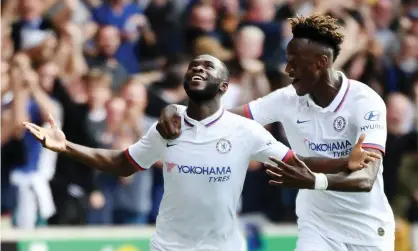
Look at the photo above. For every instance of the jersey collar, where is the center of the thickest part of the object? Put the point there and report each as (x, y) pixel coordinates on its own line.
(338, 101)
(207, 121)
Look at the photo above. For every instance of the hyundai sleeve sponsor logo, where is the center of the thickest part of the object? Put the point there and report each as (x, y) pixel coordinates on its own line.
(372, 116)
(372, 127)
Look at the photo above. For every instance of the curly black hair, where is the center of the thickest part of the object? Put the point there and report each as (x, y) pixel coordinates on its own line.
(322, 29)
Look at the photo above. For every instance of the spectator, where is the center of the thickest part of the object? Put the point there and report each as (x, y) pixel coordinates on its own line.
(413, 18)
(73, 184)
(401, 69)
(399, 141)
(168, 90)
(135, 95)
(383, 15)
(126, 199)
(261, 14)
(98, 93)
(31, 21)
(30, 179)
(202, 22)
(108, 42)
(165, 21)
(128, 18)
(247, 78)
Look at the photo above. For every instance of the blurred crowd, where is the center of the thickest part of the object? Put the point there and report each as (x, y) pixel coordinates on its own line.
(105, 68)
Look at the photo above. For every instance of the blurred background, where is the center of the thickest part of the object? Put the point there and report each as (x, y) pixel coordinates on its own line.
(106, 68)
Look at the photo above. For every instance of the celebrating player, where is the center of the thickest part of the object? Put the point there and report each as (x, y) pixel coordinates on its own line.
(323, 114)
(204, 168)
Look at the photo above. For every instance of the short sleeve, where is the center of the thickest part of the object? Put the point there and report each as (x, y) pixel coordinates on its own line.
(148, 150)
(263, 145)
(370, 119)
(270, 108)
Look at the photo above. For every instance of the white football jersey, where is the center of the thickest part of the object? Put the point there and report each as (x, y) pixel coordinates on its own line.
(204, 172)
(358, 218)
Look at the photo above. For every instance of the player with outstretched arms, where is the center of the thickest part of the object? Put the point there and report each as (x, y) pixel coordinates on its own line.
(323, 114)
(204, 168)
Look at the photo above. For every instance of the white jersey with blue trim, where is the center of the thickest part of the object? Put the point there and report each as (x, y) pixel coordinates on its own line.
(350, 217)
(204, 173)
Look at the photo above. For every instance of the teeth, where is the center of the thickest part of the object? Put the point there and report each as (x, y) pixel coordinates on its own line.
(197, 78)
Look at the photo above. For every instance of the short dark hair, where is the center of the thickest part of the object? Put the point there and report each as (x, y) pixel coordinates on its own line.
(322, 29)
(225, 72)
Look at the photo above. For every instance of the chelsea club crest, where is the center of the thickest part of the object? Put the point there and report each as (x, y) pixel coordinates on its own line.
(223, 146)
(339, 123)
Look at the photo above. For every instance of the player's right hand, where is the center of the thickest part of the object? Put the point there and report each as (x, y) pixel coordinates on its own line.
(170, 122)
(52, 138)
(360, 158)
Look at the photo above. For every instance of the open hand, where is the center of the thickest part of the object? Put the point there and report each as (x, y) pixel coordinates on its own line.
(359, 158)
(51, 138)
(170, 122)
(296, 176)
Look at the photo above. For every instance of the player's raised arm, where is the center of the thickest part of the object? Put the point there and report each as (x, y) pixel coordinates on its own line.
(170, 121)
(263, 145)
(263, 110)
(117, 162)
(267, 109)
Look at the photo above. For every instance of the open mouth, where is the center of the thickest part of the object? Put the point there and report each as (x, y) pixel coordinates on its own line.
(197, 78)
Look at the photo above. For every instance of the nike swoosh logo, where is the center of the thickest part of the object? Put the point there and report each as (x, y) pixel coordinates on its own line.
(302, 121)
(168, 145)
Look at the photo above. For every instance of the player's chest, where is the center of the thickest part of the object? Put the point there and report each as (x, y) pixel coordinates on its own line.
(213, 161)
(323, 134)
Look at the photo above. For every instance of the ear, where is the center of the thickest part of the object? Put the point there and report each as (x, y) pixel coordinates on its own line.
(223, 87)
(323, 61)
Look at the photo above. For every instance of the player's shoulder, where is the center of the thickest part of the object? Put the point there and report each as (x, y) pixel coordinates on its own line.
(288, 91)
(281, 95)
(241, 123)
(361, 94)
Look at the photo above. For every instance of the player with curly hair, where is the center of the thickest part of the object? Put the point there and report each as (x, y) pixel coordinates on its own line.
(324, 114)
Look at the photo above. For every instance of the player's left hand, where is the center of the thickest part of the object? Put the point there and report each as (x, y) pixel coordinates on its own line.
(359, 158)
(295, 176)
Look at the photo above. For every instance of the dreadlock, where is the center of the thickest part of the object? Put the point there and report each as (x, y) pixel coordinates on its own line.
(322, 29)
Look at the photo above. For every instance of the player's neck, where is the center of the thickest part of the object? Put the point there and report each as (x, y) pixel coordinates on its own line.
(200, 111)
(328, 88)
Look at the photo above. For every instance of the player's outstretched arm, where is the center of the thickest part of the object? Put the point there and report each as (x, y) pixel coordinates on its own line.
(240, 110)
(362, 168)
(112, 161)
